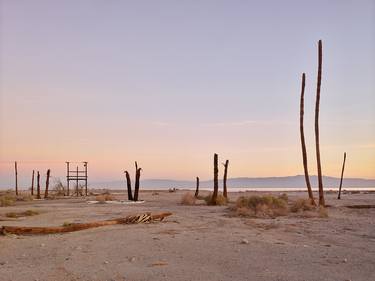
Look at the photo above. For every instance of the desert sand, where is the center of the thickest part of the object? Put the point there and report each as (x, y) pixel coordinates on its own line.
(196, 243)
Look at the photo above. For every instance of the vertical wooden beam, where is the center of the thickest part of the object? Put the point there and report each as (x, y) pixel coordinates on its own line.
(77, 181)
(85, 165)
(225, 193)
(303, 144)
(47, 183)
(16, 175)
(129, 186)
(197, 188)
(38, 185)
(216, 180)
(342, 175)
(67, 177)
(317, 144)
(32, 183)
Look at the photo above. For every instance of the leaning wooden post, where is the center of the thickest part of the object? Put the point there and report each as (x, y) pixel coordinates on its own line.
(216, 180)
(38, 185)
(197, 188)
(320, 180)
(342, 175)
(225, 194)
(303, 144)
(47, 184)
(16, 174)
(129, 186)
(32, 183)
(136, 185)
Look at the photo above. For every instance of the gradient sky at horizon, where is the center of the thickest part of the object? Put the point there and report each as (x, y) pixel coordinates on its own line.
(168, 83)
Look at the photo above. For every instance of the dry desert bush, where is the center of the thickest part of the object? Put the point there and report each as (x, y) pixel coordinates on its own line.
(104, 197)
(7, 198)
(261, 206)
(27, 213)
(301, 205)
(188, 199)
(220, 200)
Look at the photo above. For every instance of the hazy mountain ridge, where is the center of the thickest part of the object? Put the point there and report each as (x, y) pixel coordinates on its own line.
(245, 182)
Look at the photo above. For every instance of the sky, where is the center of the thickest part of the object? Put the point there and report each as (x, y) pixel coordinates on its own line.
(169, 83)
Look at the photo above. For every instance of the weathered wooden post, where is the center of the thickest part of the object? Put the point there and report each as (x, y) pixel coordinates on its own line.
(38, 185)
(129, 186)
(47, 183)
(136, 185)
(67, 177)
(317, 145)
(303, 144)
(77, 183)
(16, 174)
(197, 188)
(32, 183)
(85, 165)
(216, 180)
(342, 175)
(225, 194)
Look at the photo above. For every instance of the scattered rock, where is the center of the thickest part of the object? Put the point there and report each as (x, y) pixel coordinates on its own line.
(132, 259)
(244, 241)
(106, 262)
(345, 260)
(42, 245)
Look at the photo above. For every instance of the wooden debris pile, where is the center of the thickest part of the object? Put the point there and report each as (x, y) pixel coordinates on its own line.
(142, 218)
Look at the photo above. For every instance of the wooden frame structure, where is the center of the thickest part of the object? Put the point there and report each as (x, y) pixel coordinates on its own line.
(76, 175)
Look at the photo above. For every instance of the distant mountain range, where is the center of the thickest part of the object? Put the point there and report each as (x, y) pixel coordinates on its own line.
(243, 182)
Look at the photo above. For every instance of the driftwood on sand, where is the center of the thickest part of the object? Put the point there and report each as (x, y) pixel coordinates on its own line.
(142, 218)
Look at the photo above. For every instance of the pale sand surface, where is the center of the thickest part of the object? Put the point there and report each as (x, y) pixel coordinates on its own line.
(196, 243)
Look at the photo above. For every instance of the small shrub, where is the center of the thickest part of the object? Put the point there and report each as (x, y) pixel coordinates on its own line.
(59, 188)
(27, 213)
(284, 197)
(188, 199)
(322, 213)
(25, 197)
(7, 199)
(301, 205)
(220, 200)
(261, 206)
(104, 197)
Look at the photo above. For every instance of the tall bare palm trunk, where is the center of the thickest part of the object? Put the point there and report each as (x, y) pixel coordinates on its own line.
(129, 186)
(216, 180)
(342, 175)
(225, 193)
(320, 180)
(197, 188)
(304, 154)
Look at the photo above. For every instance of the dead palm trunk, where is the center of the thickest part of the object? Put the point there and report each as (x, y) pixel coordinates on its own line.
(225, 194)
(47, 184)
(216, 180)
(136, 185)
(129, 186)
(304, 154)
(342, 175)
(32, 183)
(16, 174)
(320, 180)
(38, 185)
(197, 188)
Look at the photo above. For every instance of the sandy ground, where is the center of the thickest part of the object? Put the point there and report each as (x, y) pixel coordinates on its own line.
(196, 243)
